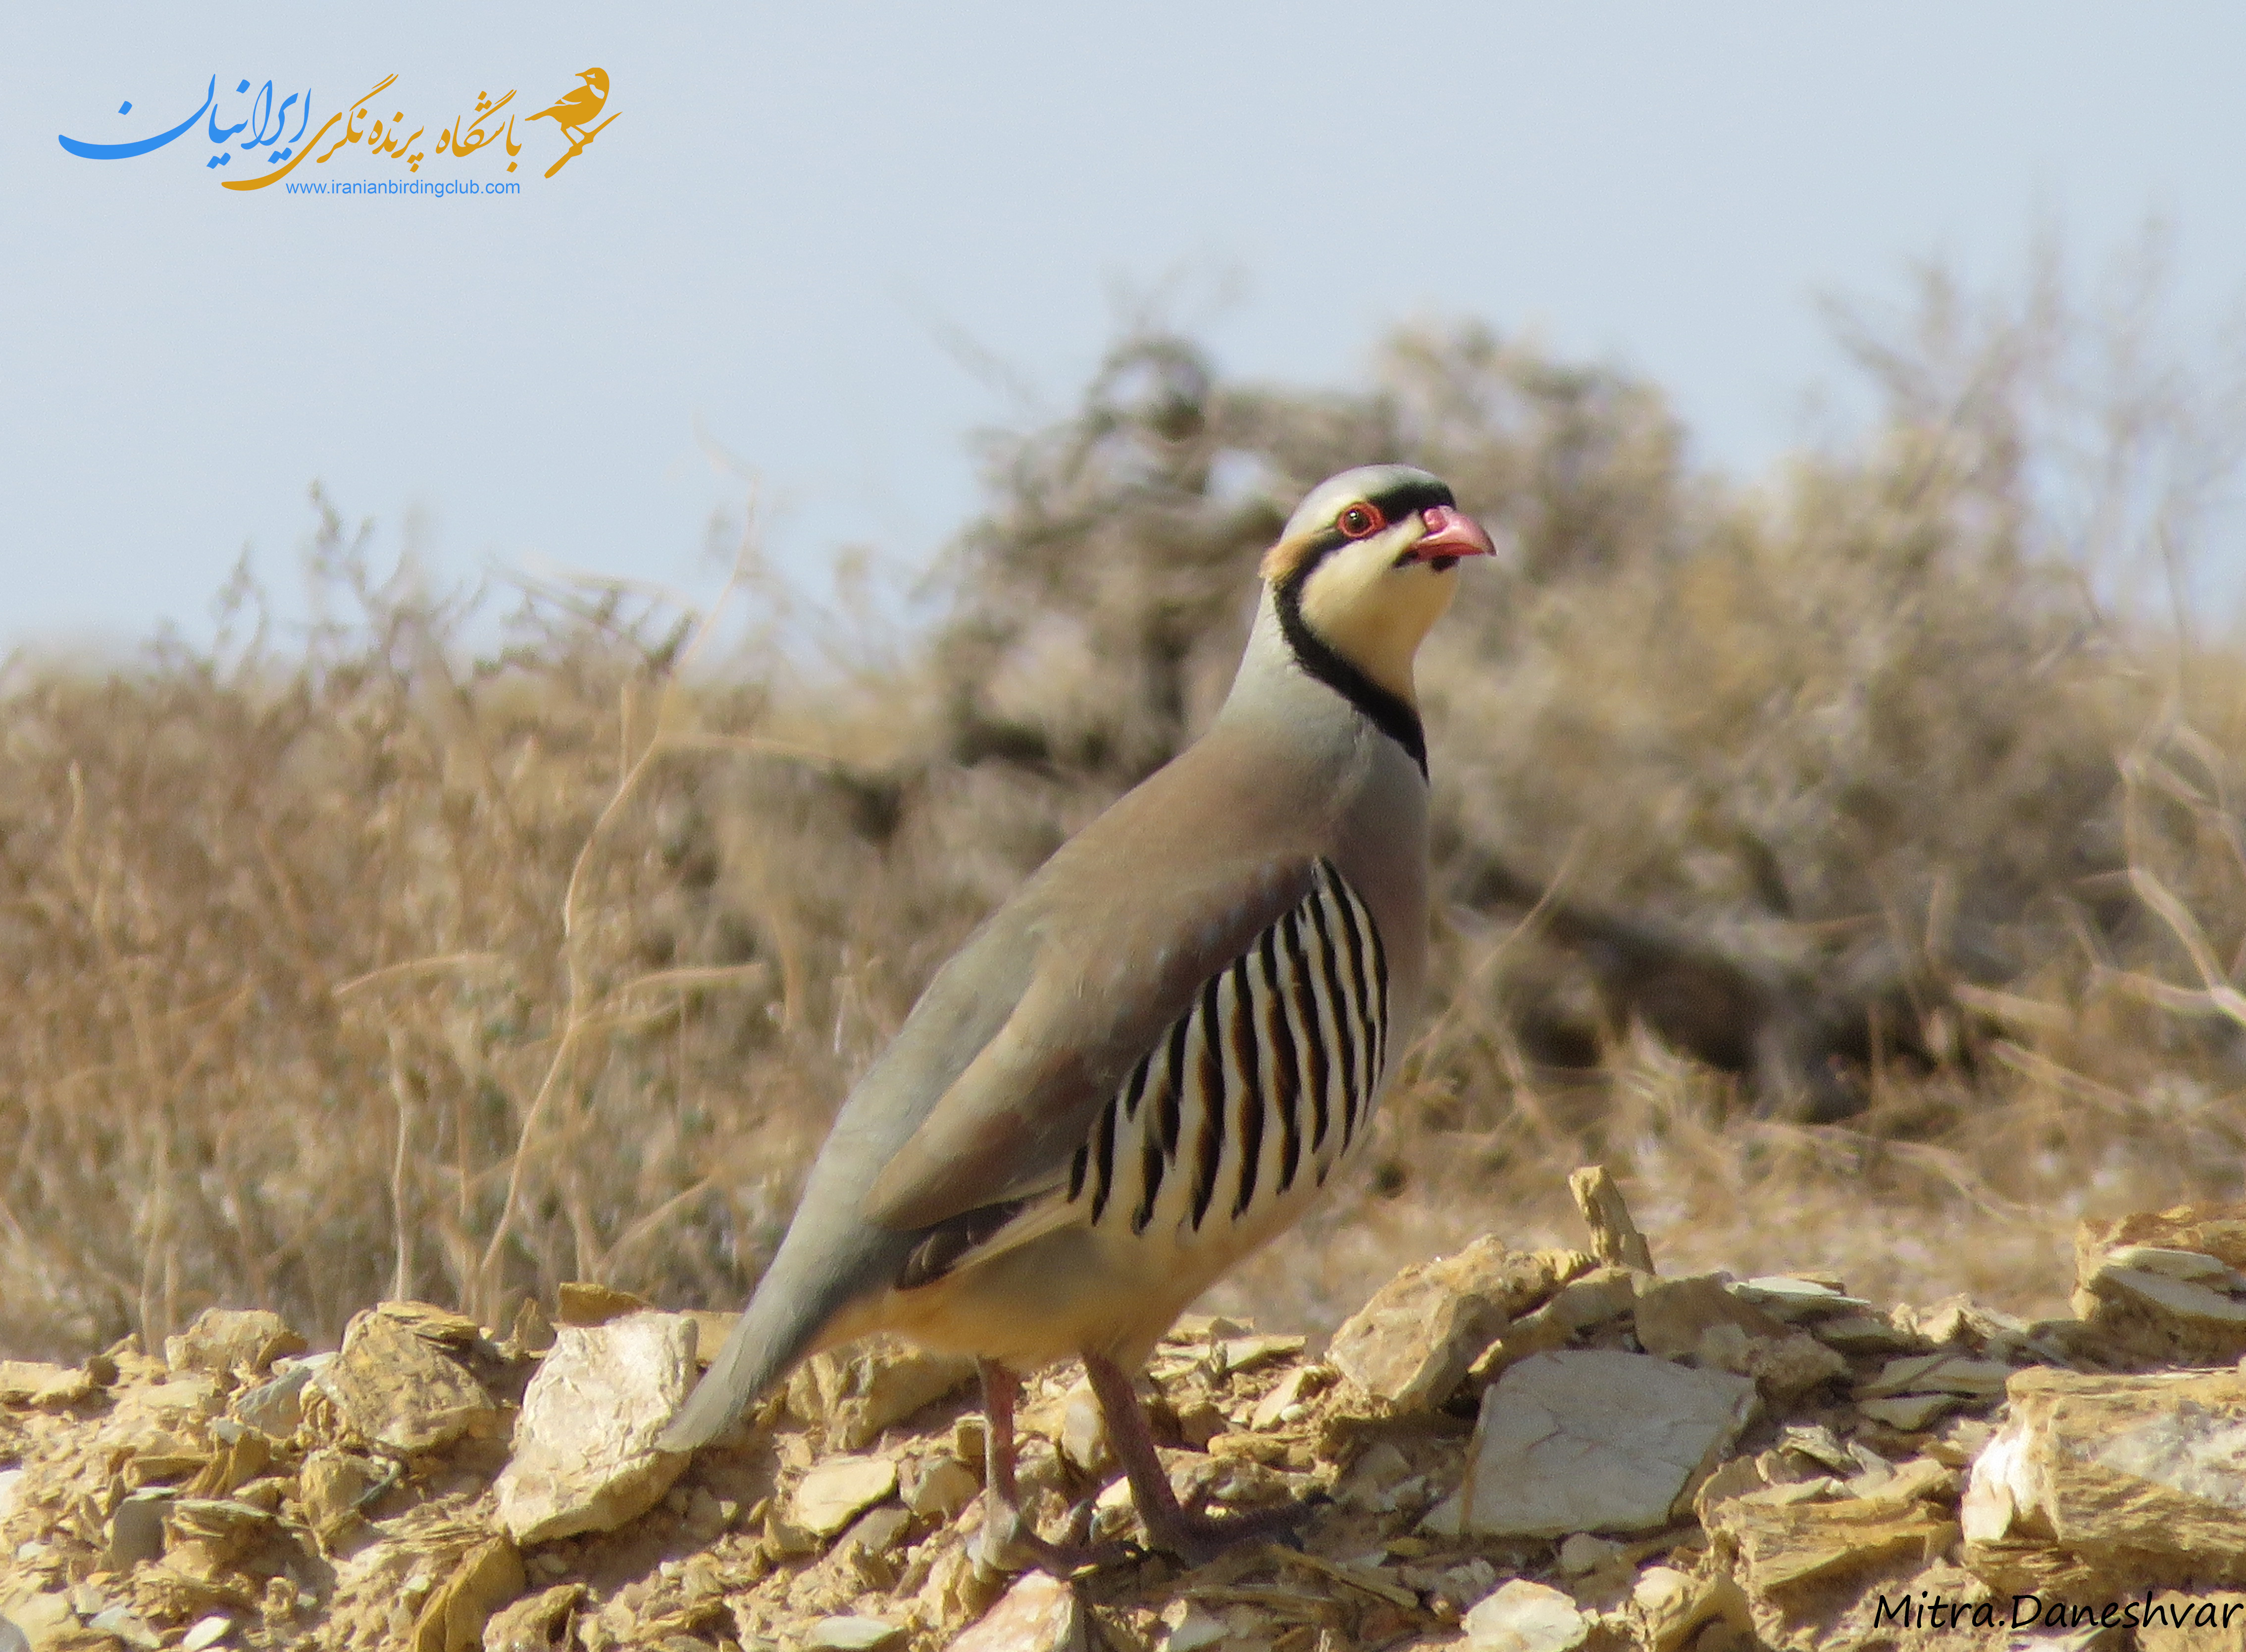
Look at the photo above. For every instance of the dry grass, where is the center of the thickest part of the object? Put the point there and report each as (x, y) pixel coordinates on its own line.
(375, 962)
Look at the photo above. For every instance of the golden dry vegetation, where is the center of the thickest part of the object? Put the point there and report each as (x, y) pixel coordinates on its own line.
(1850, 858)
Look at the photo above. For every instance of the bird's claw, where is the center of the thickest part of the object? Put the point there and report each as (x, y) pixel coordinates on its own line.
(1199, 1538)
(1006, 1543)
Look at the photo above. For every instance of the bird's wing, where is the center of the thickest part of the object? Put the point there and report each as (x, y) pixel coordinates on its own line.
(1113, 968)
(573, 103)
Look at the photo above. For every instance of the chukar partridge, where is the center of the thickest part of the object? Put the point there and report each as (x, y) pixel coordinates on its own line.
(1149, 1060)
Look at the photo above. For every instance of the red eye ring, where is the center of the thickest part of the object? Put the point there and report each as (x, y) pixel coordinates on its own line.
(1360, 522)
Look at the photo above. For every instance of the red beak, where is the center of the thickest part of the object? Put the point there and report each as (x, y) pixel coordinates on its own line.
(1450, 533)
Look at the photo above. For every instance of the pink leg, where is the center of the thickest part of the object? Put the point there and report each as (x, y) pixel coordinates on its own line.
(1197, 1539)
(1003, 1527)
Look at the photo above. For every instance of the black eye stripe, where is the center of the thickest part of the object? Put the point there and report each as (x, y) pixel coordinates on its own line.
(1405, 499)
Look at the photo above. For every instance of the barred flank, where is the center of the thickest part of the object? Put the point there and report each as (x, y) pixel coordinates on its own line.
(1298, 1024)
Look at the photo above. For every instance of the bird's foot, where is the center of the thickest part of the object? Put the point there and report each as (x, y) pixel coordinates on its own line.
(1009, 1543)
(1199, 1538)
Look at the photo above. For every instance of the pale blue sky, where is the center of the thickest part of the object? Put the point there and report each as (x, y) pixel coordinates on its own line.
(798, 204)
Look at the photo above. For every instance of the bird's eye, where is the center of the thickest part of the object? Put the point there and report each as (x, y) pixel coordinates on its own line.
(1360, 519)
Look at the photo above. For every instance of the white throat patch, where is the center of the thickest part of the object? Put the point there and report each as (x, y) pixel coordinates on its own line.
(1374, 614)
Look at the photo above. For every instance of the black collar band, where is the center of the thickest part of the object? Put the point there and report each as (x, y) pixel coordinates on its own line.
(1390, 713)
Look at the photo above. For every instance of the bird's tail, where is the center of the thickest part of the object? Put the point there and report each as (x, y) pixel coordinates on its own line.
(823, 1268)
(777, 1328)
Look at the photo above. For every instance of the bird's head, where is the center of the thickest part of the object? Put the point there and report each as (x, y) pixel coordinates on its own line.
(596, 78)
(1367, 564)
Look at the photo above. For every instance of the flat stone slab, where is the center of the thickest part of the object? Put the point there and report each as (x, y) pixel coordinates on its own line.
(854, 1634)
(838, 1490)
(1592, 1440)
(584, 1446)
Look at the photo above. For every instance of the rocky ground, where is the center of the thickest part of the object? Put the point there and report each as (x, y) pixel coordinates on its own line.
(1527, 1451)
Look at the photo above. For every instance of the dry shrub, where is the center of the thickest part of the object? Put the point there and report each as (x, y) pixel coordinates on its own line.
(396, 959)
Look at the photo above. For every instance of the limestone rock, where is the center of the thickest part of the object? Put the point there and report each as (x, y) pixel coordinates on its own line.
(1039, 1614)
(275, 1406)
(1798, 1301)
(540, 1623)
(212, 1539)
(1246, 1353)
(585, 1304)
(1526, 1617)
(584, 1446)
(1581, 1553)
(1937, 1373)
(1083, 1432)
(1193, 1627)
(1668, 1606)
(854, 1634)
(1866, 1333)
(1674, 1315)
(856, 1392)
(938, 1487)
(1810, 1570)
(1592, 1440)
(1590, 1300)
(1413, 1343)
(136, 1529)
(1907, 1413)
(2141, 1477)
(223, 1340)
(1790, 1553)
(24, 1382)
(1786, 1367)
(487, 1578)
(1284, 1403)
(2177, 1622)
(1701, 1318)
(331, 1484)
(838, 1490)
(41, 1622)
(2166, 1286)
(396, 1388)
(1893, 1605)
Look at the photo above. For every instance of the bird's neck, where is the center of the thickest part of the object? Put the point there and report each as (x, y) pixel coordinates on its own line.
(1290, 668)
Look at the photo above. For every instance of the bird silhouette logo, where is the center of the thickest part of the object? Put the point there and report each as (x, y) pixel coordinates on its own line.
(573, 110)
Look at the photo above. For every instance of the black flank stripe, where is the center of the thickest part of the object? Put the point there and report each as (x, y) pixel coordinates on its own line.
(1380, 1002)
(1286, 1077)
(1174, 1088)
(1245, 1036)
(1346, 1058)
(1366, 968)
(1361, 1037)
(1136, 1092)
(1103, 1183)
(1209, 1157)
(1302, 992)
(1076, 1168)
(1150, 1170)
